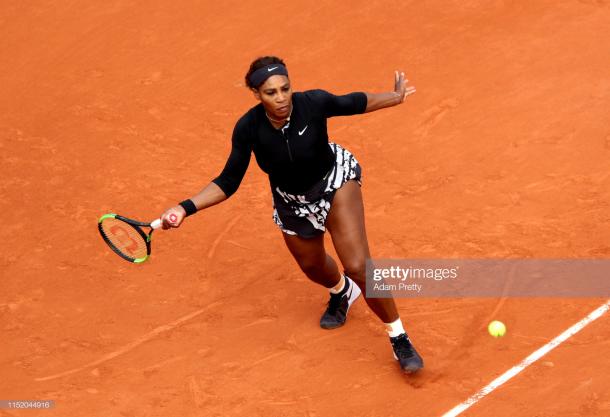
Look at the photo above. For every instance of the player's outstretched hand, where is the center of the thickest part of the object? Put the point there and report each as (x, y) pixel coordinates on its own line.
(401, 87)
(173, 217)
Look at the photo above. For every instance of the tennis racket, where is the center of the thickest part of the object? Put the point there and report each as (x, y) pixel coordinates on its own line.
(126, 236)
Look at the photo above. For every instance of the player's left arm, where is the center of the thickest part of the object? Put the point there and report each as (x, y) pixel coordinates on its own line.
(377, 101)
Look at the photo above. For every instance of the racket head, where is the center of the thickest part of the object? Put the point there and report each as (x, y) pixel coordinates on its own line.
(125, 237)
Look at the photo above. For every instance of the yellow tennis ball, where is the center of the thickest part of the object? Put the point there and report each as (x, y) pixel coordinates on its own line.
(496, 328)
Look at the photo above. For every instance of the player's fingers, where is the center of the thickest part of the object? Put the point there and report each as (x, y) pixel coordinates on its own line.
(173, 219)
(176, 218)
(165, 222)
(168, 220)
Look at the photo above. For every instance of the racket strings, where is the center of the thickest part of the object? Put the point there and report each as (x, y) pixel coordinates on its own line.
(125, 238)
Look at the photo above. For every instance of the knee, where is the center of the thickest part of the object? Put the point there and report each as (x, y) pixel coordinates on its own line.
(356, 270)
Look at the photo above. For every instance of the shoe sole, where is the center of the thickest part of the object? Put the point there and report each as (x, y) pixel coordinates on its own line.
(356, 291)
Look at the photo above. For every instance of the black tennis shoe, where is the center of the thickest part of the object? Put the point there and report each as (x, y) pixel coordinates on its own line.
(405, 354)
(339, 304)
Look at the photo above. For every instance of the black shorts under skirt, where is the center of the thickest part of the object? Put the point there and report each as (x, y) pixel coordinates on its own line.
(305, 214)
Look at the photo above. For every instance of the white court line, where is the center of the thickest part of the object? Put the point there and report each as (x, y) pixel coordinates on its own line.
(499, 381)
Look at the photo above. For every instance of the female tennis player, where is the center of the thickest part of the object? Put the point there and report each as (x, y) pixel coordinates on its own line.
(315, 186)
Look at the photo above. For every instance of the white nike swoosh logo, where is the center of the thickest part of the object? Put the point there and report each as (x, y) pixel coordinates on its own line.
(271, 69)
(303, 131)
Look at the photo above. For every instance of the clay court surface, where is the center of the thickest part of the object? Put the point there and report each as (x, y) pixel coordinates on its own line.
(128, 107)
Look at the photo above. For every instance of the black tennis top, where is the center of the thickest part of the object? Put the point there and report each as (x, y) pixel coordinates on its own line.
(296, 156)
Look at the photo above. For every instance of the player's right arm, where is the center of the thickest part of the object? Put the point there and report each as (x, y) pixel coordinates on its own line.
(210, 195)
(223, 186)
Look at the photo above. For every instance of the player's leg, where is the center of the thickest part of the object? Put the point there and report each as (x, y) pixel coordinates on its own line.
(313, 259)
(321, 268)
(345, 222)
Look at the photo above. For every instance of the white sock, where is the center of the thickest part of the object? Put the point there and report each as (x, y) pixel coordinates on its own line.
(339, 287)
(395, 328)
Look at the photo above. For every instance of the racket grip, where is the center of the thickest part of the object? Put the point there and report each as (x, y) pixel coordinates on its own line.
(156, 224)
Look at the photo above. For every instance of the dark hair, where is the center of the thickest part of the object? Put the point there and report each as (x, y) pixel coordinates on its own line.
(261, 62)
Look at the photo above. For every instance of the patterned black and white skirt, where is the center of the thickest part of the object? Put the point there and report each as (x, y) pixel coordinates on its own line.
(305, 214)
